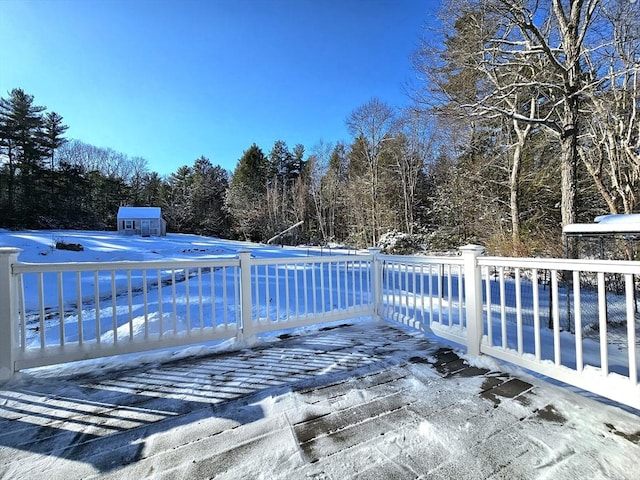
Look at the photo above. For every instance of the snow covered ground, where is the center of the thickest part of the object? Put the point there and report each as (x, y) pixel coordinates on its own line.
(244, 414)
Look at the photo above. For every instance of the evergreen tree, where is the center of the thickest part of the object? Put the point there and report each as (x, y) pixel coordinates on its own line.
(246, 195)
(21, 144)
(209, 184)
(53, 131)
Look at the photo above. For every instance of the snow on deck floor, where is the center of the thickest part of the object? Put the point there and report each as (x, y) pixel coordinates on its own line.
(360, 401)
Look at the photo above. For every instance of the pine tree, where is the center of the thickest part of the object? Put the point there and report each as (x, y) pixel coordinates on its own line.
(246, 196)
(53, 131)
(21, 144)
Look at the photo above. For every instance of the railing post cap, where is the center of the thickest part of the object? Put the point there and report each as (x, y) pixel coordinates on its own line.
(374, 250)
(10, 250)
(472, 248)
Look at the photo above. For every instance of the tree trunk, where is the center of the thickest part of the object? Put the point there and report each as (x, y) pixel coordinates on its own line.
(514, 204)
(568, 162)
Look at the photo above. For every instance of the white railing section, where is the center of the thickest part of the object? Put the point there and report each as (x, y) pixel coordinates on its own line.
(582, 335)
(87, 310)
(62, 312)
(552, 316)
(425, 293)
(295, 292)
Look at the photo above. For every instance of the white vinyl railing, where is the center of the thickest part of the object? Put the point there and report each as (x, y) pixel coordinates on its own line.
(557, 317)
(294, 292)
(577, 331)
(62, 312)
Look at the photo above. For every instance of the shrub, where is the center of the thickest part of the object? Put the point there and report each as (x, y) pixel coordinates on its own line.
(399, 243)
(74, 247)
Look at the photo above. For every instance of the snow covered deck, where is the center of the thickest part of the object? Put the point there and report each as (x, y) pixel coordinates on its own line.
(367, 400)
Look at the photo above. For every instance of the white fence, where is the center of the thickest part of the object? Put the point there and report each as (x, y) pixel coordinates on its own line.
(62, 312)
(517, 310)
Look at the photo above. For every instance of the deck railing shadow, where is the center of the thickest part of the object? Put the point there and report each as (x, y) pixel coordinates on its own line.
(81, 418)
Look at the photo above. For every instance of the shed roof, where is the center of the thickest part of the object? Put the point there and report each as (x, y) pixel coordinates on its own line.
(139, 212)
(621, 224)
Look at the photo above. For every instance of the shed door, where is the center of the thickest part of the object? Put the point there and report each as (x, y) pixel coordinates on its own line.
(145, 228)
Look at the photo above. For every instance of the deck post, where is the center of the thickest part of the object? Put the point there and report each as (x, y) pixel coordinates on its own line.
(8, 311)
(376, 281)
(246, 304)
(473, 297)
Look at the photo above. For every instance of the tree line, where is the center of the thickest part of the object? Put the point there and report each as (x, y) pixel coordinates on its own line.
(524, 119)
(543, 98)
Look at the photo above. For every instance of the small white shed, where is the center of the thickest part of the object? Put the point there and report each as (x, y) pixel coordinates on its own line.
(144, 221)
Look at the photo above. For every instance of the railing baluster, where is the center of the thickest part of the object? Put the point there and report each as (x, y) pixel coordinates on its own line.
(440, 292)
(224, 298)
(114, 310)
(79, 306)
(488, 303)
(287, 312)
(256, 286)
(160, 313)
(330, 275)
(578, 321)
(187, 300)
(236, 291)
(503, 309)
(422, 295)
(174, 316)
(277, 267)
(431, 293)
(322, 302)
(631, 328)
(384, 308)
(398, 295)
(313, 287)
(61, 308)
(200, 302)
(415, 291)
(267, 297)
(602, 314)
(41, 309)
(449, 295)
(361, 267)
(296, 280)
(536, 314)
(353, 282)
(406, 290)
(392, 272)
(145, 300)
(304, 286)
(23, 314)
(214, 320)
(463, 322)
(130, 300)
(519, 311)
(96, 296)
(556, 317)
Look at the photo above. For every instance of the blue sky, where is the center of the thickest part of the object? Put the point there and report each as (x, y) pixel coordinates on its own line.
(171, 80)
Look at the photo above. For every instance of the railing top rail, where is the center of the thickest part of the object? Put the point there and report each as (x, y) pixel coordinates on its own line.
(580, 265)
(423, 260)
(312, 259)
(24, 267)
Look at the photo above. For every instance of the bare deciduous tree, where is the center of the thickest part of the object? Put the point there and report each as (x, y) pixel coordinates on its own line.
(372, 124)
